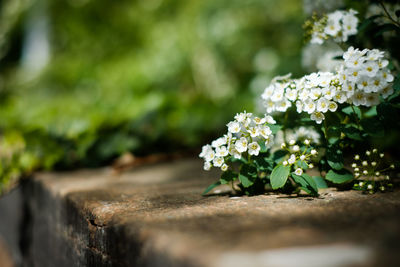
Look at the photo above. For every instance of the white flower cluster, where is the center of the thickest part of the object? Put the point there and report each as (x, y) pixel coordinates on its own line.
(364, 76)
(361, 78)
(296, 155)
(338, 25)
(369, 171)
(299, 134)
(245, 133)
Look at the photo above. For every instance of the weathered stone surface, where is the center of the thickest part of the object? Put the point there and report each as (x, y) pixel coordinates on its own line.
(155, 216)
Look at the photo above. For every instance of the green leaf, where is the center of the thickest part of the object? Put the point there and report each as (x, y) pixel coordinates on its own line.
(275, 128)
(373, 127)
(352, 132)
(228, 176)
(371, 112)
(334, 157)
(320, 182)
(302, 164)
(279, 155)
(264, 164)
(367, 22)
(310, 181)
(211, 187)
(306, 183)
(339, 177)
(246, 182)
(279, 176)
(247, 175)
(349, 111)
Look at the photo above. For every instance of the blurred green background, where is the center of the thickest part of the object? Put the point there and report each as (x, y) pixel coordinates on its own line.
(85, 81)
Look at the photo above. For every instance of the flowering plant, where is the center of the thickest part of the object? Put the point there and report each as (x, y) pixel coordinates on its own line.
(348, 107)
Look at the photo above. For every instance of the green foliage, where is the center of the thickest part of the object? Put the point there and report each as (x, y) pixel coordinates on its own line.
(339, 177)
(148, 77)
(247, 175)
(211, 187)
(279, 176)
(307, 183)
(334, 157)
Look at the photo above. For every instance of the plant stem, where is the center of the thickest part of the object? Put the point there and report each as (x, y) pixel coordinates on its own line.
(388, 15)
(357, 121)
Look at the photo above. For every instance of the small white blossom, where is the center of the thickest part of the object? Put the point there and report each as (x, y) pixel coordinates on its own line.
(233, 127)
(298, 171)
(224, 167)
(292, 159)
(218, 161)
(254, 148)
(241, 145)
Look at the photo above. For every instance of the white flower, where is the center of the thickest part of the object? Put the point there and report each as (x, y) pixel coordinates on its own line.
(349, 24)
(310, 166)
(241, 145)
(210, 155)
(307, 142)
(264, 131)
(370, 186)
(258, 120)
(207, 165)
(302, 157)
(309, 106)
(296, 148)
(372, 100)
(340, 97)
(269, 119)
(292, 142)
(318, 117)
(322, 105)
(333, 25)
(364, 163)
(359, 99)
(236, 154)
(218, 161)
(278, 95)
(387, 76)
(282, 105)
(285, 163)
(370, 69)
(205, 150)
(299, 106)
(253, 131)
(219, 142)
(313, 152)
(233, 127)
(332, 106)
(254, 148)
(387, 91)
(221, 151)
(292, 159)
(224, 167)
(291, 94)
(242, 117)
(298, 171)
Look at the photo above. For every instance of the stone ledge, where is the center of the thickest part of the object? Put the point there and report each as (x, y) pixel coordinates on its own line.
(155, 216)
